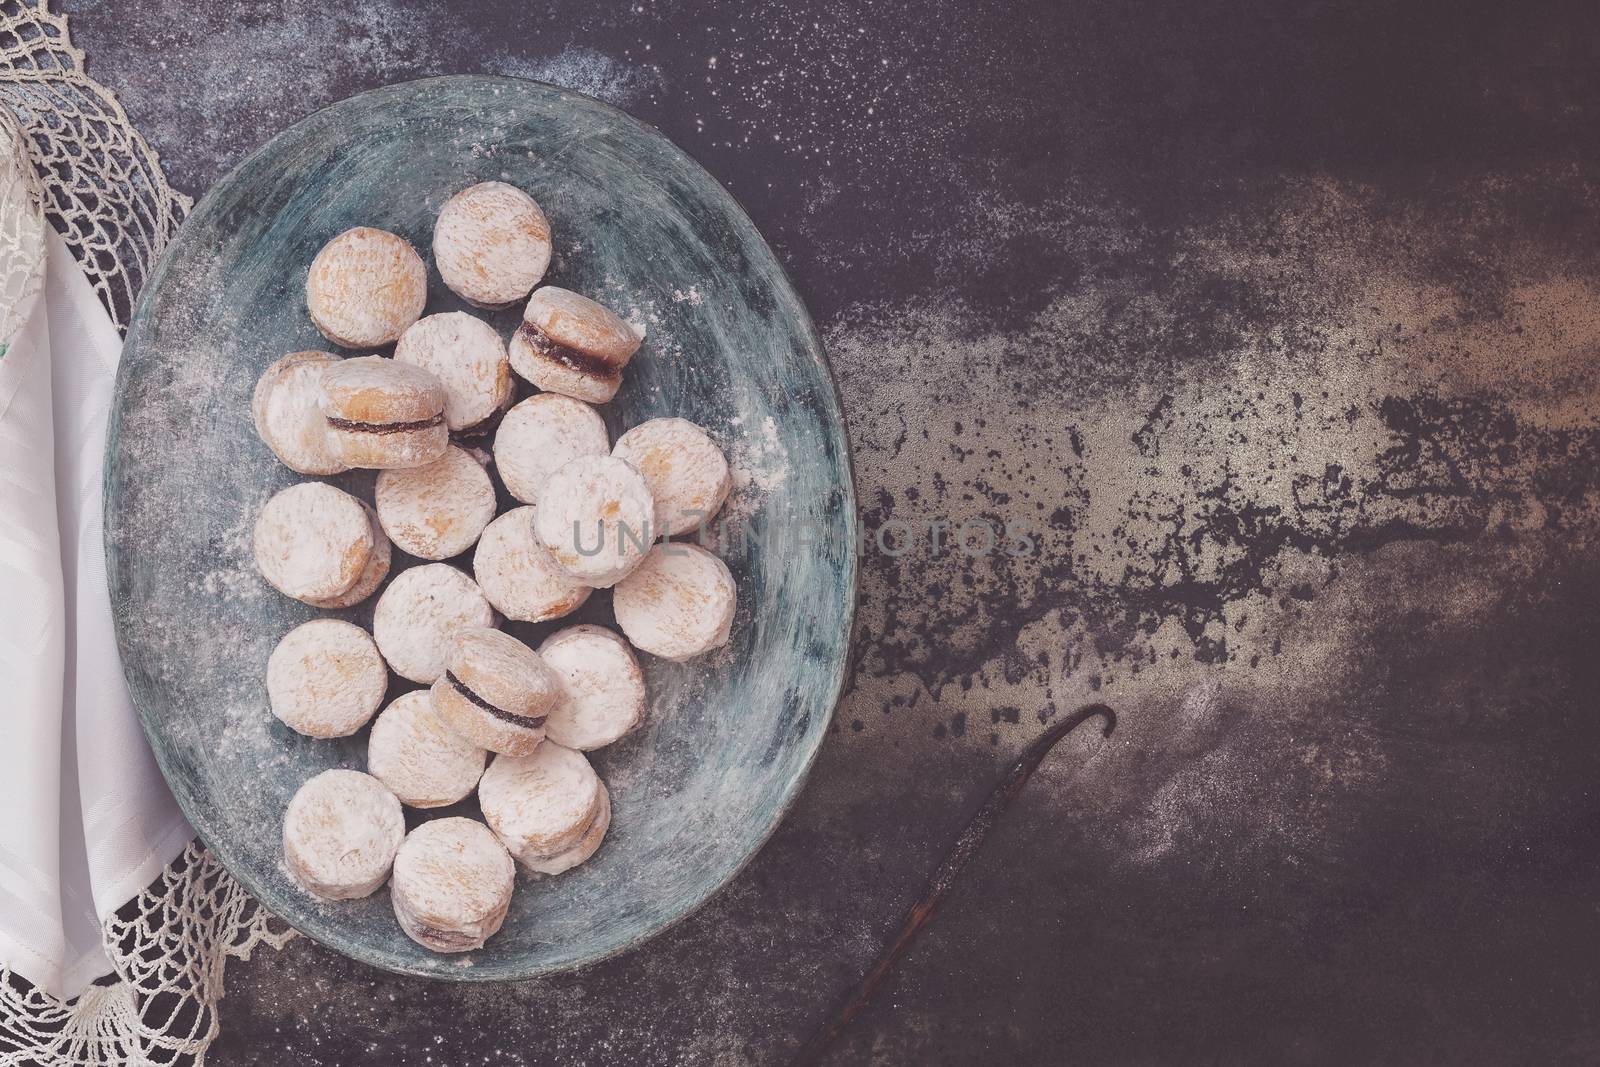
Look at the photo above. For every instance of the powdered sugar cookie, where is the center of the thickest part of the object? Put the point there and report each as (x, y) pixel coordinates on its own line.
(586, 847)
(365, 287)
(678, 604)
(326, 678)
(570, 344)
(437, 511)
(420, 612)
(452, 885)
(549, 808)
(468, 358)
(603, 683)
(312, 541)
(594, 515)
(372, 575)
(686, 471)
(518, 574)
(495, 691)
(382, 413)
(413, 752)
(340, 833)
(540, 436)
(287, 416)
(491, 244)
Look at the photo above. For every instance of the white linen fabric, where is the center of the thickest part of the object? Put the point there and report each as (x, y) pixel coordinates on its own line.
(87, 828)
(96, 821)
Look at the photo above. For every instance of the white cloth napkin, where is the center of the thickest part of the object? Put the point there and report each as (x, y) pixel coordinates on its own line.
(86, 821)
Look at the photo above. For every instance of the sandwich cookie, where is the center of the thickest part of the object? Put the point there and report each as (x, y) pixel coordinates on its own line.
(312, 541)
(468, 358)
(686, 471)
(372, 575)
(420, 612)
(326, 678)
(549, 809)
(540, 436)
(287, 416)
(518, 574)
(452, 885)
(383, 414)
(594, 516)
(365, 287)
(340, 834)
(569, 344)
(424, 762)
(437, 511)
(678, 604)
(495, 691)
(491, 244)
(603, 683)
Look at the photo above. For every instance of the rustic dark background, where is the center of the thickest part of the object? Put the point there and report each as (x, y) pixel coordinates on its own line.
(1280, 323)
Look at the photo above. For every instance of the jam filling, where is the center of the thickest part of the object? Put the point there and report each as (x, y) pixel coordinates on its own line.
(532, 722)
(479, 429)
(571, 358)
(451, 938)
(386, 427)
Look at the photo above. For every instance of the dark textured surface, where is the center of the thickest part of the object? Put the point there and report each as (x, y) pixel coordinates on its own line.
(1280, 323)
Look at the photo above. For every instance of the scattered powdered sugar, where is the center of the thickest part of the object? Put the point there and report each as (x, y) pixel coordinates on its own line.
(234, 574)
(588, 71)
(759, 461)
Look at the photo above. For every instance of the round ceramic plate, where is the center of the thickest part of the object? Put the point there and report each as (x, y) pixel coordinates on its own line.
(640, 227)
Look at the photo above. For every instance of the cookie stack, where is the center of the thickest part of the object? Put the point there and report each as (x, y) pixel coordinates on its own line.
(437, 419)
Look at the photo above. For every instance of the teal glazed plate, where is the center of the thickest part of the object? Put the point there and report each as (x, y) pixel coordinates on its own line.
(640, 227)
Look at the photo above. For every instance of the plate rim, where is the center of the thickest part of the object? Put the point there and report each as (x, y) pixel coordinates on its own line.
(120, 613)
